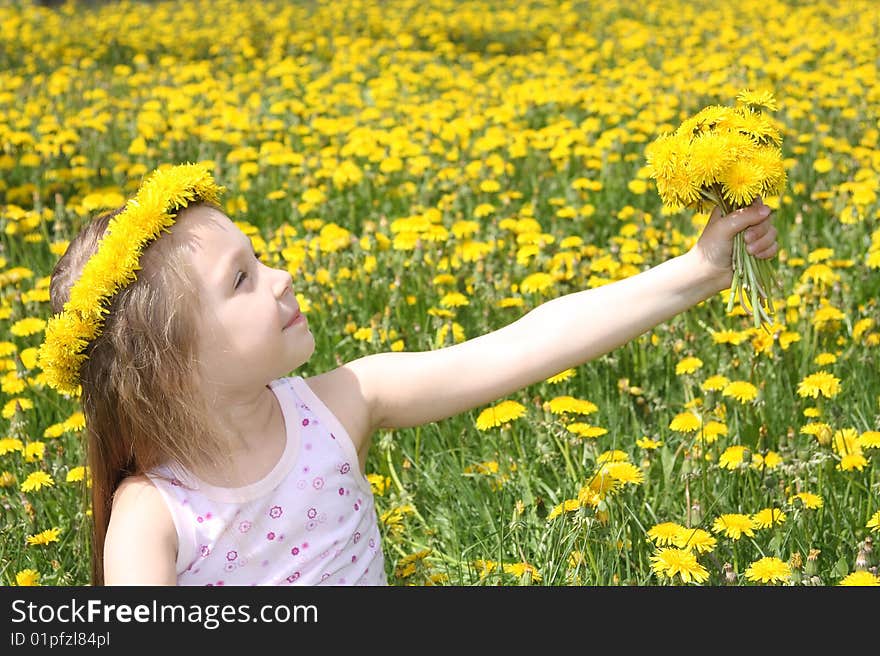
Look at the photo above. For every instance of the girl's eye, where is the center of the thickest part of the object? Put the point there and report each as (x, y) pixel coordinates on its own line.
(240, 278)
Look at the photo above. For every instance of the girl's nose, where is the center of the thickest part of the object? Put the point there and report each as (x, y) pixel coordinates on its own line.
(283, 282)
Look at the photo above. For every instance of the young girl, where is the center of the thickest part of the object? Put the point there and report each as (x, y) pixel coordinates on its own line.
(210, 463)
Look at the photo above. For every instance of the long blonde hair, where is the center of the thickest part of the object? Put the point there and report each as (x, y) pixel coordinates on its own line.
(140, 397)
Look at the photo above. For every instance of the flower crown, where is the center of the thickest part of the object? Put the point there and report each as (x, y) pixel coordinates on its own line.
(114, 265)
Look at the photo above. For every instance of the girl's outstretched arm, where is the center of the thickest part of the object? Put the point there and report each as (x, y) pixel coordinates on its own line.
(412, 388)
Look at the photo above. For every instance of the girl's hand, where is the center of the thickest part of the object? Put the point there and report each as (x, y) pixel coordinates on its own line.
(714, 248)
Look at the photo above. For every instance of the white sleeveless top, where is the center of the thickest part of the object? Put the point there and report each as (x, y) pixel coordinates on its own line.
(310, 521)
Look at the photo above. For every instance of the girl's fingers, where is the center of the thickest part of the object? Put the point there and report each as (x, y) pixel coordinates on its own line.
(768, 252)
(758, 230)
(762, 242)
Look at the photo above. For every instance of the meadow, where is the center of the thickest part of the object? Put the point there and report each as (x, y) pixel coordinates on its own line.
(431, 170)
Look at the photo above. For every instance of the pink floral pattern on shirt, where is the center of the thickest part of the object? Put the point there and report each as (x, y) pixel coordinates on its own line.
(306, 529)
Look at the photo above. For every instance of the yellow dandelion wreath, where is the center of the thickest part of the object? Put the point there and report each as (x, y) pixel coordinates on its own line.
(115, 264)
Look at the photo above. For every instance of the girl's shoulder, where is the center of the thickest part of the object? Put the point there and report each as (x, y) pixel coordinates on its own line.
(141, 542)
(341, 391)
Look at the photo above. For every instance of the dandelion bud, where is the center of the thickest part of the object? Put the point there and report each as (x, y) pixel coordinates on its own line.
(729, 574)
(796, 563)
(868, 545)
(812, 565)
(862, 560)
(696, 513)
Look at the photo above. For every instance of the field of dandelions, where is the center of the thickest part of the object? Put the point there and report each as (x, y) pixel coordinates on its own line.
(430, 170)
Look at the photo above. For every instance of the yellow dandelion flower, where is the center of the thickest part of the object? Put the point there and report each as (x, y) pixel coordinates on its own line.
(874, 522)
(16, 404)
(569, 505)
(732, 457)
(743, 181)
(29, 357)
(522, 569)
(510, 302)
(711, 430)
(788, 338)
(818, 383)
(756, 99)
(500, 414)
(454, 299)
(808, 499)
(646, 442)
(709, 156)
(768, 570)
(663, 156)
(27, 326)
(75, 422)
(869, 440)
(734, 525)
(625, 472)
(589, 497)
(614, 455)
(570, 405)
(714, 383)
(845, 440)
(822, 164)
(696, 539)
(685, 422)
(688, 366)
(860, 578)
(378, 483)
(769, 461)
(671, 562)
(860, 327)
(561, 376)
(820, 430)
(27, 577)
(485, 567)
(76, 474)
(852, 461)
(55, 430)
(489, 467)
(768, 517)
(34, 451)
(10, 444)
(741, 390)
(46, 537)
(665, 533)
(603, 483)
(827, 318)
(536, 283)
(36, 481)
(730, 336)
(819, 274)
(585, 430)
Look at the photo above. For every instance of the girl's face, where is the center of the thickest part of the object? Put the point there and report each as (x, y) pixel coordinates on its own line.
(251, 327)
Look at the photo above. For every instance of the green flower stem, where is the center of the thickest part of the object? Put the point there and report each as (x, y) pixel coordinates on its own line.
(751, 276)
(749, 273)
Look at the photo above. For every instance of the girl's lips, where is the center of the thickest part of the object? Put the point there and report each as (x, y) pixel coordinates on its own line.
(294, 319)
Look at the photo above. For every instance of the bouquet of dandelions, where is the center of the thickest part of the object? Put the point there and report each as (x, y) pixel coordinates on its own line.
(726, 156)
